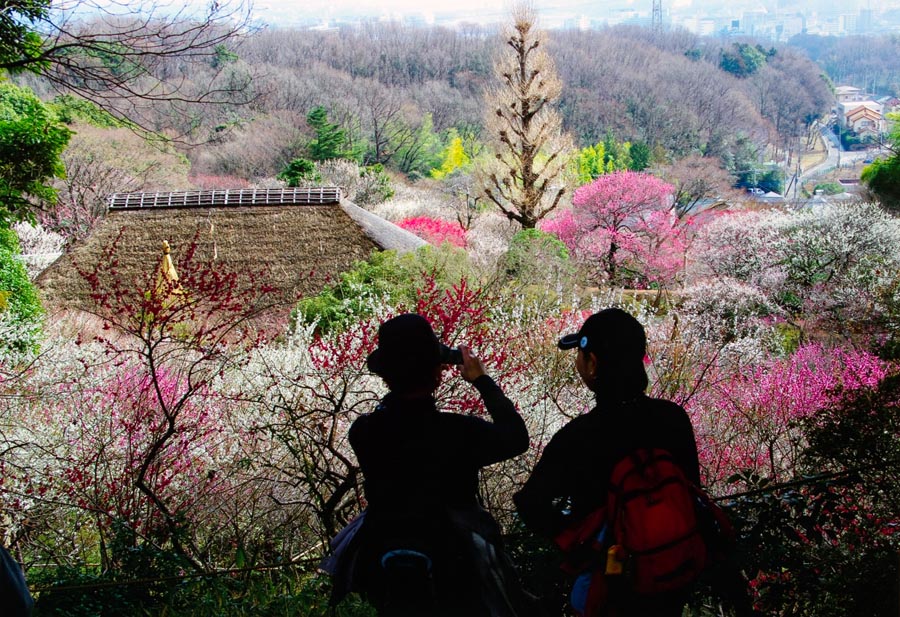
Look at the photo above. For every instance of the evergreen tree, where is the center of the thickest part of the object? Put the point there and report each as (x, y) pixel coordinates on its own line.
(330, 138)
(299, 172)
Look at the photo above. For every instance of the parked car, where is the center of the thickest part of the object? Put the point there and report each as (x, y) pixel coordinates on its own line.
(755, 190)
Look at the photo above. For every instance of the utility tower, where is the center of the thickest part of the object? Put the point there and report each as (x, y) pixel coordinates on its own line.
(656, 20)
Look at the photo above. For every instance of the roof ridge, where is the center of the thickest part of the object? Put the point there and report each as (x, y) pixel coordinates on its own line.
(203, 198)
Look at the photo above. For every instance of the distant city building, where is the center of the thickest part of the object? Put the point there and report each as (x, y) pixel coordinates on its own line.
(776, 21)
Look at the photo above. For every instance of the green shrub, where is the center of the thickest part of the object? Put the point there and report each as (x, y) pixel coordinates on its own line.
(537, 262)
(70, 109)
(531, 249)
(73, 592)
(31, 142)
(20, 307)
(790, 337)
(386, 277)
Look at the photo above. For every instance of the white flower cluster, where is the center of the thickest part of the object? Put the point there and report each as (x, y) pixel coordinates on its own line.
(40, 246)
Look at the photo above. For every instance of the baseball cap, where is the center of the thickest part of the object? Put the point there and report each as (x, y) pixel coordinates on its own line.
(611, 330)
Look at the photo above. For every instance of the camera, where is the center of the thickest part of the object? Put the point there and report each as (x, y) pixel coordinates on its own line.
(450, 355)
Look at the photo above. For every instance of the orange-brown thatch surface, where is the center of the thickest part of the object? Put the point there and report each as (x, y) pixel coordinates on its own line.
(299, 247)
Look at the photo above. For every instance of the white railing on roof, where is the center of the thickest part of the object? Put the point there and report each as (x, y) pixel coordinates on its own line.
(225, 197)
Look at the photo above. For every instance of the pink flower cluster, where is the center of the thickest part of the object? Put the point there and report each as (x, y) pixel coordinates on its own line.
(110, 436)
(747, 419)
(435, 231)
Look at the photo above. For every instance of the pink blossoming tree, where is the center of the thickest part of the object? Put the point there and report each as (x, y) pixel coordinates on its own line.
(623, 222)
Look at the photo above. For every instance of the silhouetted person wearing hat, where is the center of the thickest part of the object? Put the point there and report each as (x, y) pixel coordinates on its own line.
(571, 478)
(426, 546)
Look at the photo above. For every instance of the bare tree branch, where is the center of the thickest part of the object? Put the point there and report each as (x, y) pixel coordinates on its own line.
(137, 60)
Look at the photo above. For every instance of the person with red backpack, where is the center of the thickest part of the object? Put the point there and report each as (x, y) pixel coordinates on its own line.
(613, 488)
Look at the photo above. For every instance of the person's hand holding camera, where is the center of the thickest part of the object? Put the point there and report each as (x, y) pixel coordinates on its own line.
(471, 367)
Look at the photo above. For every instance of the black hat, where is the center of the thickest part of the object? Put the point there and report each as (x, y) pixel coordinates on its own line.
(611, 330)
(406, 343)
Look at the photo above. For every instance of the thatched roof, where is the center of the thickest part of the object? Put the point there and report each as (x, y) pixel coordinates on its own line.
(302, 238)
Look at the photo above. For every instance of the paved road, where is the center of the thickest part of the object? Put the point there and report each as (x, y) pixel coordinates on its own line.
(835, 158)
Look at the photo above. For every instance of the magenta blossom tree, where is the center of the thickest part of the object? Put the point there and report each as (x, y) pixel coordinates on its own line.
(625, 224)
(750, 420)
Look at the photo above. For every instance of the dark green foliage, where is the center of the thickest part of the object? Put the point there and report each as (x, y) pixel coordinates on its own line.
(223, 56)
(883, 176)
(69, 109)
(742, 161)
(850, 140)
(826, 544)
(888, 348)
(330, 138)
(20, 45)
(694, 54)
(115, 56)
(641, 156)
(299, 172)
(771, 179)
(286, 592)
(148, 580)
(744, 59)
(537, 562)
(31, 142)
(830, 188)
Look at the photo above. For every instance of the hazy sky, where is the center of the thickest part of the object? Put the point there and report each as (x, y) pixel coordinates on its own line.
(281, 11)
(484, 10)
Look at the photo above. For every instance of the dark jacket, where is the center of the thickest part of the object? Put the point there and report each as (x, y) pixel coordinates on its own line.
(414, 457)
(571, 478)
(420, 477)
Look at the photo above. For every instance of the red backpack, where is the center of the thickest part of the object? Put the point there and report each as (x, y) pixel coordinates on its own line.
(655, 533)
(652, 513)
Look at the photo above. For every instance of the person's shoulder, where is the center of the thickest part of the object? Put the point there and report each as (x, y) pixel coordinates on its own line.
(582, 421)
(667, 411)
(663, 404)
(361, 425)
(579, 427)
